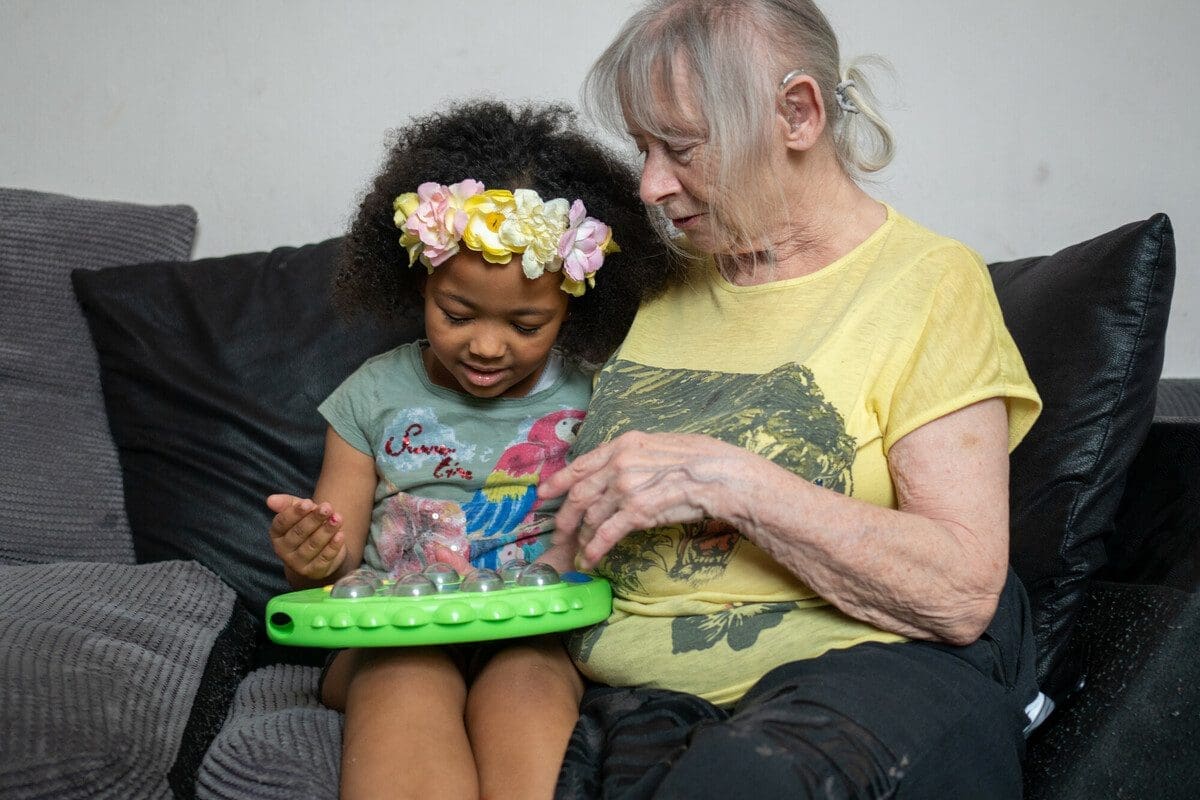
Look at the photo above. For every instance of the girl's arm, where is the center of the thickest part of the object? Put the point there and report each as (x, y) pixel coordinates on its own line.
(320, 539)
(933, 569)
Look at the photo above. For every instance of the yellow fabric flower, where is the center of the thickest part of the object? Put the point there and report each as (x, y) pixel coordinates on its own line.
(533, 229)
(486, 214)
(404, 205)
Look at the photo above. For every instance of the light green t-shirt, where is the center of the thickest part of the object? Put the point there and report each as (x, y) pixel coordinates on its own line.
(457, 474)
(822, 374)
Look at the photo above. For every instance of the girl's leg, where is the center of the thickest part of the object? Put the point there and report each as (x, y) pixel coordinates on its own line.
(521, 710)
(404, 733)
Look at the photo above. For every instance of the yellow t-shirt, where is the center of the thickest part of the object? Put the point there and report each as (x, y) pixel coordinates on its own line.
(822, 374)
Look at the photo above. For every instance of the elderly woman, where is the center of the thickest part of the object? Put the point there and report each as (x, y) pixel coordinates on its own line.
(795, 469)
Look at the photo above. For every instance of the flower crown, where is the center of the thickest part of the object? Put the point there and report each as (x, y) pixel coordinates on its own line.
(500, 224)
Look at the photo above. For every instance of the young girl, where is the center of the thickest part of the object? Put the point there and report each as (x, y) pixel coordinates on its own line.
(504, 225)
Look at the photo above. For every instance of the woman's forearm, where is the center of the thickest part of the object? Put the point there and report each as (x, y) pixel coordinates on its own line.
(933, 569)
(918, 577)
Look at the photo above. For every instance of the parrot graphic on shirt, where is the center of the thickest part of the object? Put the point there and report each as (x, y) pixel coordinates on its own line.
(509, 493)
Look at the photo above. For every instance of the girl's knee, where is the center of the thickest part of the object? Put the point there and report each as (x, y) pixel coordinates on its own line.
(526, 672)
(368, 668)
(533, 665)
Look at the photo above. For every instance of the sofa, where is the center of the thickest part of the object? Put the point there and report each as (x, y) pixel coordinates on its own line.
(151, 402)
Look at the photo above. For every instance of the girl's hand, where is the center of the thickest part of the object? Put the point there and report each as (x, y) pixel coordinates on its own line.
(307, 537)
(639, 481)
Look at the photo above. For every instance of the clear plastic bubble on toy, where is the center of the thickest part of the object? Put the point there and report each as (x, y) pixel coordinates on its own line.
(413, 585)
(482, 580)
(538, 574)
(360, 583)
(444, 576)
(511, 568)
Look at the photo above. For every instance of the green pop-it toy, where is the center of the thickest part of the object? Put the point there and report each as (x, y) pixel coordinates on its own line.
(437, 606)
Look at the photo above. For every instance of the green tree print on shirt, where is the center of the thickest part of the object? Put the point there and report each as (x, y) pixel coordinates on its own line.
(781, 415)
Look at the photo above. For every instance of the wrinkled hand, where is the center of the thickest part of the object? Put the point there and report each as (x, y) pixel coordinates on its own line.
(639, 481)
(306, 536)
(560, 556)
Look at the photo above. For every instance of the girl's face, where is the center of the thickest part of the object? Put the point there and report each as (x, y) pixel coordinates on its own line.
(490, 328)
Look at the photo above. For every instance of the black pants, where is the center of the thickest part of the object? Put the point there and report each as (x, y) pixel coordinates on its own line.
(913, 720)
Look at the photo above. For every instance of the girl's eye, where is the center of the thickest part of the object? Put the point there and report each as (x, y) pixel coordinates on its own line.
(453, 320)
(527, 331)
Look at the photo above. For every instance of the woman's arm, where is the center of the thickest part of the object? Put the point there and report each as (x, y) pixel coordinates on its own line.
(933, 569)
(322, 538)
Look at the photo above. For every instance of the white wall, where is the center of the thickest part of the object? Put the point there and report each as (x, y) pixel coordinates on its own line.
(1024, 126)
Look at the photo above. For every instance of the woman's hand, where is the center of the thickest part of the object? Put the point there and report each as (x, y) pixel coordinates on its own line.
(639, 481)
(932, 569)
(307, 537)
(559, 556)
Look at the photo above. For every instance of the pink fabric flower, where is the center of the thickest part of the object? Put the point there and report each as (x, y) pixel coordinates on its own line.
(439, 219)
(582, 244)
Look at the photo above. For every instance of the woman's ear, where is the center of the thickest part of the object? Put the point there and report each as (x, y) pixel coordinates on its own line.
(801, 111)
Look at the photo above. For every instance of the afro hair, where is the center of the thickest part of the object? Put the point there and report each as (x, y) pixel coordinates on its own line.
(504, 147)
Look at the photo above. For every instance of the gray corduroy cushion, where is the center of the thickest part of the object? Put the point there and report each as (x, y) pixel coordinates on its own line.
(62, 497)
(101, 664)
(1178, 397)
(278, 743)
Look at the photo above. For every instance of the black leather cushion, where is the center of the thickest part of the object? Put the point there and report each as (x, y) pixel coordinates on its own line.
(1090, 322)
(212, 371)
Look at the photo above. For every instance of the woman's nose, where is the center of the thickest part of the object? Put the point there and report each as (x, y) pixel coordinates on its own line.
(658, 180)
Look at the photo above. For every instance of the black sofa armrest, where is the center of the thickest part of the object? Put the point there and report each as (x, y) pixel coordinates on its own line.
(1156, 536)
(1131, 730)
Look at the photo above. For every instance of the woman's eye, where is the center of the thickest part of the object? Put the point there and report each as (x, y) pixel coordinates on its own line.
(683, 153)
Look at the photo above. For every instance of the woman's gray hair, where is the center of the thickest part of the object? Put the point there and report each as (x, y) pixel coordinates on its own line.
(735, 53)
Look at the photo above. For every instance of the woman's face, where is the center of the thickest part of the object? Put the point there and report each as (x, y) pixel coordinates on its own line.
(680, 174)
(678, 170)
(675, 177)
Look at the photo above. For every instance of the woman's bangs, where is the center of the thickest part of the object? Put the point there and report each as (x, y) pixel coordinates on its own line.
(644, 80)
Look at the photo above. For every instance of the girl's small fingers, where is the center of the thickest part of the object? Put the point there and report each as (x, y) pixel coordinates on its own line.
(309, 524)
(330, 551)
(290, 515)
(311, 547)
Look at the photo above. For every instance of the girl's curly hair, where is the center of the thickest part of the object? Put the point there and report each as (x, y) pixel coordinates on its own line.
(529, 147)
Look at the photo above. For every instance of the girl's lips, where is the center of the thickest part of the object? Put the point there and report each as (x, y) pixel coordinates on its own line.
(483, 377)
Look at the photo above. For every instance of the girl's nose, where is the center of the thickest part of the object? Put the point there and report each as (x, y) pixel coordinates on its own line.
(487, 343)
